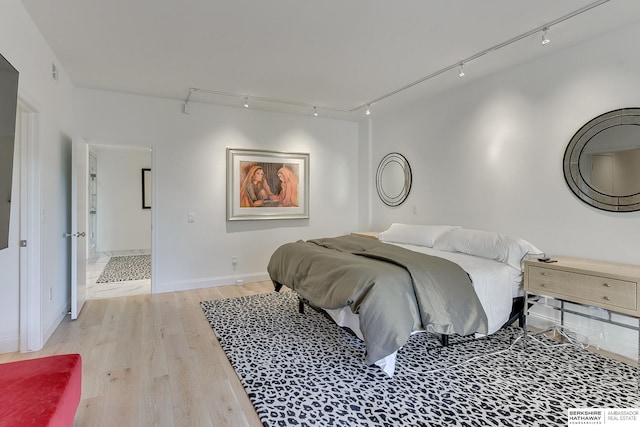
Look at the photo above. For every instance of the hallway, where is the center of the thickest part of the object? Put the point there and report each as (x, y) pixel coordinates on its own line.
(95, 267)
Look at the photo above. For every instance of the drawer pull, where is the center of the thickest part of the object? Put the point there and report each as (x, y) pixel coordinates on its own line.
(607, 298)
(544, 273)
(606, 285)
(544, 285)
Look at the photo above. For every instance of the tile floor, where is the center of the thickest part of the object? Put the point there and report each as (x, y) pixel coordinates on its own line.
(96, 264)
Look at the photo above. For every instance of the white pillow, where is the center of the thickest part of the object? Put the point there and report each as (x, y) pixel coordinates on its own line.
(414, 234)
(487, 244)
(520, 249)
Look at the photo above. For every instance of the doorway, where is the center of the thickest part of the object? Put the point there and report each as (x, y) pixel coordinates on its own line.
(119, 225)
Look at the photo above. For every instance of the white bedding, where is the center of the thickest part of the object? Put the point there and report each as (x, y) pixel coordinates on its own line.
(495, 283)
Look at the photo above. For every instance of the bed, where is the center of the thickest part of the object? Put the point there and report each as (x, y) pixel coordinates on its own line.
(440, 279)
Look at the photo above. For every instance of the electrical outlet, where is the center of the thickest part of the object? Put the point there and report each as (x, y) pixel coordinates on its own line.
(191, 217)
(239, 281)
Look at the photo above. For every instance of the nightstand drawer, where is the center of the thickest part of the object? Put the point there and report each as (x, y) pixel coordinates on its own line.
(590, 289)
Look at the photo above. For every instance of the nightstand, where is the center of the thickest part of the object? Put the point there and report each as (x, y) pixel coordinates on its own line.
(613, 287)
(369, 234)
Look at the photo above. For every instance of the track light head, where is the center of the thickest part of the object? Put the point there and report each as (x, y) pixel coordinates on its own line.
(368, 112)
(315, 112)
(545, 39)
(246, 102)
(461, 71)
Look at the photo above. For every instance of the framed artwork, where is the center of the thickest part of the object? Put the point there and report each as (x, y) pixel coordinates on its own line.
(146, 188)
(267, 185)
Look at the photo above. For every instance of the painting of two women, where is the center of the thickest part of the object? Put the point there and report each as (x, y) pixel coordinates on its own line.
(268, 185)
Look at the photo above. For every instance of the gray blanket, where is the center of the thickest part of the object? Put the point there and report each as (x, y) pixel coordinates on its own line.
(393, 290)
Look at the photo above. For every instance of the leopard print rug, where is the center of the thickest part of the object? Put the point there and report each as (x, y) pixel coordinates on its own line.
(303, 370)
(125, 268)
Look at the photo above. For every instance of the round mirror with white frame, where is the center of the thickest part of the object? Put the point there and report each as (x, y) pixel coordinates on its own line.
(602, 161)
(393, 179)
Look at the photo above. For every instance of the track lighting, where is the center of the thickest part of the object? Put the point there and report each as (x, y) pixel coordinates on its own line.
(460, 65)
(545, 39)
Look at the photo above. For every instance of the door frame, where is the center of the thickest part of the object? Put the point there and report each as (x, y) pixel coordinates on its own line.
(31, 332)
(93, 147)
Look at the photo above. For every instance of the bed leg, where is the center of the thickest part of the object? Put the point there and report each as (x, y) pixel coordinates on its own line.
(523, 320)
(444, 340)
(300, 305)
(277, 286)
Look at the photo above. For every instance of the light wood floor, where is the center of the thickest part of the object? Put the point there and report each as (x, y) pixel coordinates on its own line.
(153, 360)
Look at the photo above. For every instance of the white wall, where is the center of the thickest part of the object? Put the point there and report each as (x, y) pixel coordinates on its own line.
(122, 223)
(488, 155)
(189, 175)
(23, 46)
(365, 172)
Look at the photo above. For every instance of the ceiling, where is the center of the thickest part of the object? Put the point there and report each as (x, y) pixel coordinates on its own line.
(338, 55)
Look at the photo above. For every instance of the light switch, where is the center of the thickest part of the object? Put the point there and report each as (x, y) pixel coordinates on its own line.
(191, 217)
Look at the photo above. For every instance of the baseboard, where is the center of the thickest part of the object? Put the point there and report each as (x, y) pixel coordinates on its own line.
(12, 344)
(186, 285)
(53, 323)
(9, 344)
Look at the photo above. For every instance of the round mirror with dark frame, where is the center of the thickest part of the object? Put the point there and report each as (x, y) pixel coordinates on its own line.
(602, 161)
(393, 179)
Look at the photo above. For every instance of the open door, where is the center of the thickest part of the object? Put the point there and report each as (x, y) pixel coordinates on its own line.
(79, 208)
